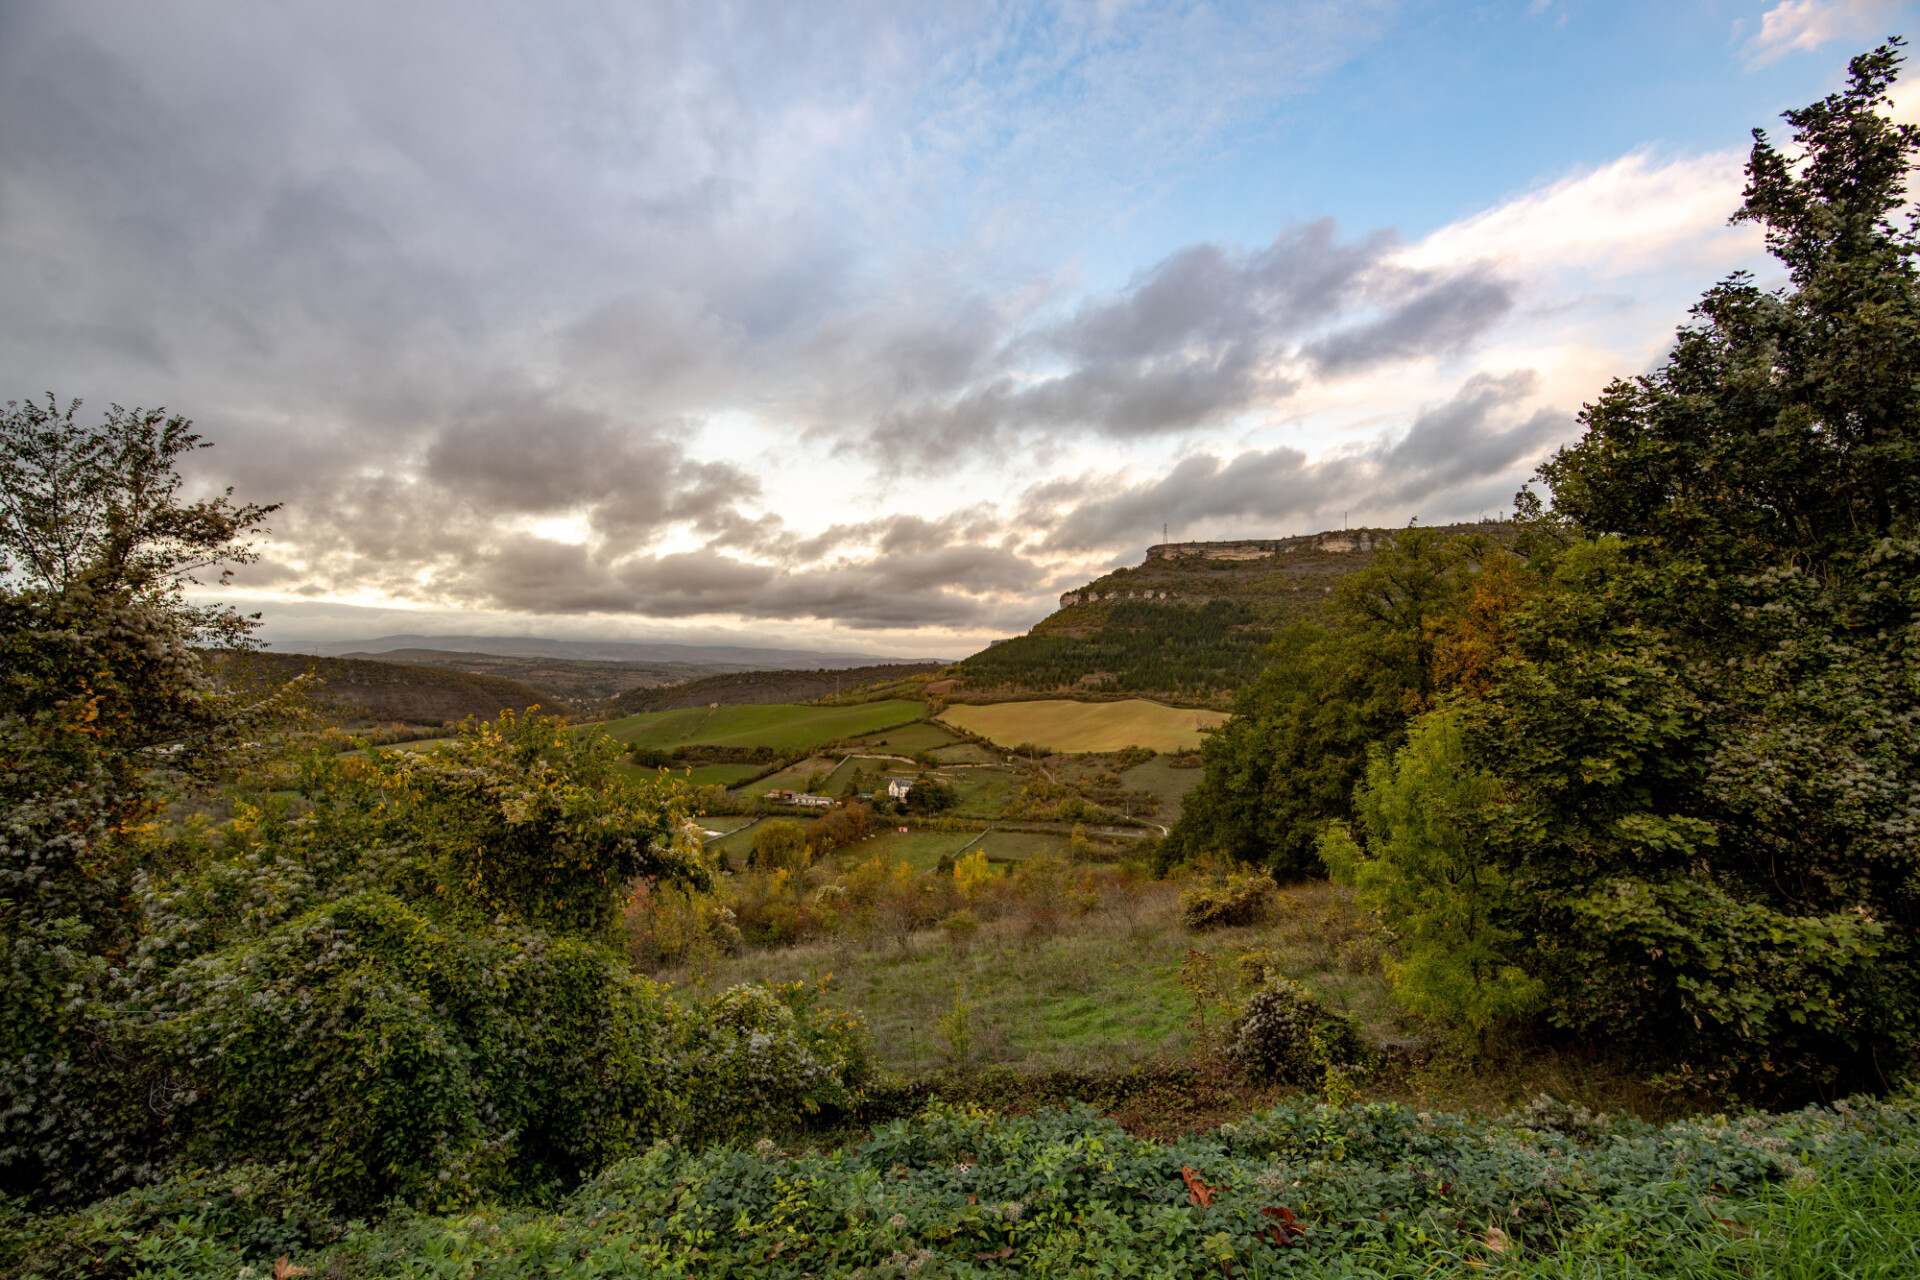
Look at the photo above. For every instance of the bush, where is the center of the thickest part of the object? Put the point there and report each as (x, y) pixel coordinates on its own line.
(960, 927)
(1238, 900)
(1286, 1036)
(761, 1059)
(780, 845)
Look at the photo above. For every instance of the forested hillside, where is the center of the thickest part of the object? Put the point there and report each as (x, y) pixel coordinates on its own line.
(1190, 622)
(358, 691)
(755, 688)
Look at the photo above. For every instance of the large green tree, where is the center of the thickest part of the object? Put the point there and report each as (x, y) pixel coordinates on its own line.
(1704, 726)
(1288, 760)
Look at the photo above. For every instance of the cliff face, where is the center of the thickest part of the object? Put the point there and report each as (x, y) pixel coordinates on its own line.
(1195, 572)
(1189, 623)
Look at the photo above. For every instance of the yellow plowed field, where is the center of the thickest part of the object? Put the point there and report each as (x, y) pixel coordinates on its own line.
(1086, 726)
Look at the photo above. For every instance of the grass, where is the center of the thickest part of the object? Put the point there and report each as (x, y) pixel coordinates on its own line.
(909, 739)
(1020, 845)
(1852, 1227)
(922, 850)
(794, 777)
(1163, 780)
(1102, 991)
(1078, 727)
(699, 775)
(781, 726)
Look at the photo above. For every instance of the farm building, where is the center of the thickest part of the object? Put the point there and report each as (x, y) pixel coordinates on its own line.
(897, 788)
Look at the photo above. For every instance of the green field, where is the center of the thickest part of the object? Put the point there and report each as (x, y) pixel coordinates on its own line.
(922, 850)
(794, 777)
(1077, 727)
(1164, 781)
(912, 738)
(1020, 845)
(781, 726)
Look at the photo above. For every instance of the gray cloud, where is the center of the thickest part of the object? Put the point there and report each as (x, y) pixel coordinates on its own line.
(1205, 334)
(446, 279)
(1472, 437)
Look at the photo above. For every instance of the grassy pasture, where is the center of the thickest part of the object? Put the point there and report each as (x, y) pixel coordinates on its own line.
(781, 726)
(794, 777)
(905, 741)
(1078, 727)
(1163, 780)
(922, 850)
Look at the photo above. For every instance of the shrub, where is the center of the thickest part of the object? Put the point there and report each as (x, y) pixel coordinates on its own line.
(1286, 1036)
(763, 1058)
(780, 845)
(1238, 900)
(971, 872)
(960, 927)
(399, 1057)
(839, 828)
(1431, 873)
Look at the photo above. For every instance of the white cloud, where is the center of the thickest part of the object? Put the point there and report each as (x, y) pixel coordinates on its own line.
(1805, 25)
(1636, 214)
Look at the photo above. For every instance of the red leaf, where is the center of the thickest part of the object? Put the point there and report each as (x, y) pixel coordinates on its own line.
(1198, 1192)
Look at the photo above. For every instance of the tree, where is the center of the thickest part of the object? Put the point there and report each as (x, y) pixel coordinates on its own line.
(1708, 723)
(105, 692)
(1288, 760)
(780, 845)
(1431, 869)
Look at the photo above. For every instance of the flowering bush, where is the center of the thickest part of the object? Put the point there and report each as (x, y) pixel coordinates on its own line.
(1286, 1036)
(760, 1059)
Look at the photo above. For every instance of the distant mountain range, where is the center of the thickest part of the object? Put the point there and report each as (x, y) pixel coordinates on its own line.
(705, 655)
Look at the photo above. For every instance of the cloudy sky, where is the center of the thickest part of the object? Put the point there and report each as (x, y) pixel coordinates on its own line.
(864, 326)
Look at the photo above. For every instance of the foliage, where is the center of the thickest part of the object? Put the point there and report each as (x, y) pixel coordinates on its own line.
(105, 702)
(520, 817)
(1662, 767)
(1378, 1189)
(929, 795)
(766, 1059)
(1709, 726)
(841, 827)
(779, 845)
(1431, 871)
(1297, 744)
(971, 872)
(1236, 900)
(1283, 1034)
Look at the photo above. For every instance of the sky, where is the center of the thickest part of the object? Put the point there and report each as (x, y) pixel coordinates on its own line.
(860, 326)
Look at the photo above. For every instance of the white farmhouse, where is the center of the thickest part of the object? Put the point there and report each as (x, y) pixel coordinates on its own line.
(897, 788)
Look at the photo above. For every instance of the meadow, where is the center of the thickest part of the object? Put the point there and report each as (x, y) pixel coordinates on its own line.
(782, 726)
(1080, 727)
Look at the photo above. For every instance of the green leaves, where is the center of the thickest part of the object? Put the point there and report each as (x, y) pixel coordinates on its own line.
(1432, 869)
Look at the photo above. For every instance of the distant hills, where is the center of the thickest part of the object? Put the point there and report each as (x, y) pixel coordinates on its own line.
(360, 692)
(732, 657)
(764, 688)
(1188, 624)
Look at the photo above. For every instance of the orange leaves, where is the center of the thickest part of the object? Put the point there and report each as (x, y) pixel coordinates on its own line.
(1284, 1227)
(1198, 1192)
